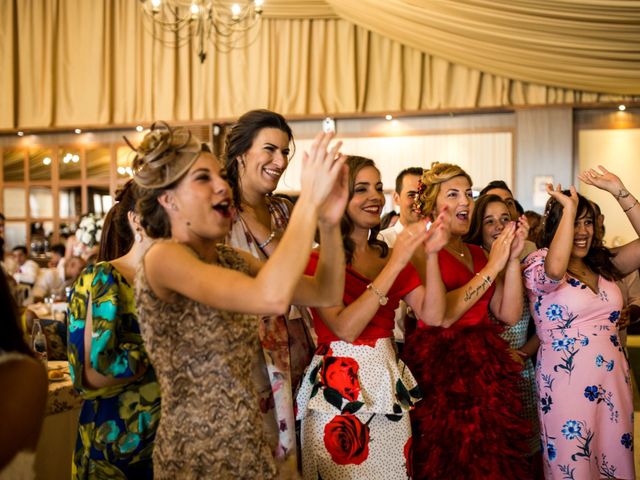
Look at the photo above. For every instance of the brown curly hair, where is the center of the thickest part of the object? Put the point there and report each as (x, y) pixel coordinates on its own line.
(429, 187)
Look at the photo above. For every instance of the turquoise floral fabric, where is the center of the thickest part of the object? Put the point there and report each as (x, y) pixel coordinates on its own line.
(118, 423)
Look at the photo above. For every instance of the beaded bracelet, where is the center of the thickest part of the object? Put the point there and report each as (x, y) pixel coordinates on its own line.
(267, 241)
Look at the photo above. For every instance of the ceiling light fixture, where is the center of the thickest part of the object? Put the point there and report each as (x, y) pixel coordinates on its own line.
(176, 22)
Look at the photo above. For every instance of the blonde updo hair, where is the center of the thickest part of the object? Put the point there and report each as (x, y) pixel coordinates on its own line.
(162, 159)
(430, 182)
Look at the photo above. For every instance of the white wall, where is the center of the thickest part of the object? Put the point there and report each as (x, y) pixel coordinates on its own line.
(619, 151)
(485, 156)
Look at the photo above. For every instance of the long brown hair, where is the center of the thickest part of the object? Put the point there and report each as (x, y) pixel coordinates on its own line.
(241, 137)
(598, 257)
(356, 164)
(117, 237)
(11, 335)
(474, 235)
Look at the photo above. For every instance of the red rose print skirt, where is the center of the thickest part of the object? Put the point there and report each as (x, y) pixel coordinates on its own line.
(353, 413)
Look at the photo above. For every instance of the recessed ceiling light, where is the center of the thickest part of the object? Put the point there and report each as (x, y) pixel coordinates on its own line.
(388, 117)
(139, 128)
(46, 161)
(77, 130)
(622, 108)
(21, 134)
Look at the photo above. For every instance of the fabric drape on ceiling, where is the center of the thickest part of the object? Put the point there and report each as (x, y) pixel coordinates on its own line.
(73, 63)
(587, 45)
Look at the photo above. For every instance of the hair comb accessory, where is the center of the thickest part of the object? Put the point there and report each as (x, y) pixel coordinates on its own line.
(164, 155)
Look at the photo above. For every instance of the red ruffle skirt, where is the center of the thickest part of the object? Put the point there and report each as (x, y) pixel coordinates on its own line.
(468, 424)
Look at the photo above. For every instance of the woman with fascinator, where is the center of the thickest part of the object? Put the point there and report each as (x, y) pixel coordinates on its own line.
(468, 425)
(108, 363)
(197, 298)
(582, 375)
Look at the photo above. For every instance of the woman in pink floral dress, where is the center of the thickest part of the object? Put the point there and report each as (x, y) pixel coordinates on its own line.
(354, 400)
(585, 400)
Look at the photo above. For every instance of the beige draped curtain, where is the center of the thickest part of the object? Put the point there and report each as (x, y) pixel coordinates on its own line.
(78, 62)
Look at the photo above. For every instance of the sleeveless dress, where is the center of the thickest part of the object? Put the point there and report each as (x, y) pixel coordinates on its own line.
(469, 424)
(22, 465)
(285, 347)
(117, 424)
(210, 426)
(354, 399)
(584, 387)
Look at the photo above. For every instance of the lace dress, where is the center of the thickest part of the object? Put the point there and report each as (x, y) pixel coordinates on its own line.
(210, 424)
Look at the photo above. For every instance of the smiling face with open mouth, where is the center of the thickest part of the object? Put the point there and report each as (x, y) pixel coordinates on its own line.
(202, 199)
(365, 206)
(457, 195)
(583, 229)
(496, 217)
(264, 163)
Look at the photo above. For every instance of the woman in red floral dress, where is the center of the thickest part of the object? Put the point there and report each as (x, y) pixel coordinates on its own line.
(354, 400)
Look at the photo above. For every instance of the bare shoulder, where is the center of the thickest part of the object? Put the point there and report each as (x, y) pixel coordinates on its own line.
(27, 372)
(24, 384)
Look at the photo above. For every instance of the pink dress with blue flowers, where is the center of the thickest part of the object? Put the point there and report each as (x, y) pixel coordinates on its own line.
(584, 389)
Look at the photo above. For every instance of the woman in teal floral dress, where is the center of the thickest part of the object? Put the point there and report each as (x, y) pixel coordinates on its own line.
(122, 398)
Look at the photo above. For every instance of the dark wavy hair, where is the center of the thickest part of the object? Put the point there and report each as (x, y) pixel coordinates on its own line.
(241, 137)
(356, 164)
(11, 335)
(117, 237)
(474, 235)
(599, 257)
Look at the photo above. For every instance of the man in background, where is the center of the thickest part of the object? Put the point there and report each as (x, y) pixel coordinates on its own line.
(26, 269)
(407, 183)
(404, 196)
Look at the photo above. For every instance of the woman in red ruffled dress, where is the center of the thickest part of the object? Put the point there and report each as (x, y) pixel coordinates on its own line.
(468, 424)
(354, 399)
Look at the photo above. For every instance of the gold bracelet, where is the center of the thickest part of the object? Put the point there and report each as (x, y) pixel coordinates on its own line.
(382, 299)
(629, 208)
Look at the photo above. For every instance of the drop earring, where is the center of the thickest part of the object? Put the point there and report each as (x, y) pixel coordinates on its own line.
(138, 236)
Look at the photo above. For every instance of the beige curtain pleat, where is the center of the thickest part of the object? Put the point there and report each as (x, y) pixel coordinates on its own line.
(70, 63)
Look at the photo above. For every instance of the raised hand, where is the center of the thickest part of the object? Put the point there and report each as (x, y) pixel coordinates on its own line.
(570, 201)
(407, 242)
(501, 248)
(522, 232)
(321, 167)
(333, 207)
(604, 180)
(438, 234)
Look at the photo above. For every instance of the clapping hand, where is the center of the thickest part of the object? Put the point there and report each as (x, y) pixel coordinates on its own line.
(501, 247)
(333, 207)
(438, 234)
(321, 167)
(522, 232)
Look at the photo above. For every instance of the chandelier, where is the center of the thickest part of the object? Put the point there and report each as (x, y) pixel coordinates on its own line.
(225, 24)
